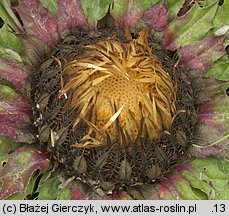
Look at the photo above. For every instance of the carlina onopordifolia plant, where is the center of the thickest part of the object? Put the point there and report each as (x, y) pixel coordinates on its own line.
(116, 103)
(110, 111)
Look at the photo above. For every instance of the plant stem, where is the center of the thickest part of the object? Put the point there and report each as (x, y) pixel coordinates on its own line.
(212, 144)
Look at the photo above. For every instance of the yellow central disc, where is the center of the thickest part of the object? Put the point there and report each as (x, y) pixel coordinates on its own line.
(120, 90)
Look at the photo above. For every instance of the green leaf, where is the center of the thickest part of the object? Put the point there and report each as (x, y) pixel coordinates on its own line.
(200, 194)
(16, 196)
(7, 92)
(226, 43)
(127, 13)
(64, 194)
(5, 82)
(223, 166)
(209, 168)
(95, 10)
(10, 45)
(209, 2)
(46, 176)
(31, 185)
(49, 189)
(174, 8)
(15, 2)
(189, 28)
(9, 17)
(148, 3)
(184, 190)
(197, 183)
(210, 173)
(222, 192)
(222, 15)
(220, 69)
(51, 5)
(200, 179)
(118, 8)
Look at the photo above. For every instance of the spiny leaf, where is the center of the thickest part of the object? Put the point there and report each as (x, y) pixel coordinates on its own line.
(10, 45)
(211, 141)
(208, 2)
(190, 27)
(181, 137)
(6, 145)
(216, 113)
(38, 21)
(148, 3)
(7, 93)
(107, 186)
(95, 10)
(13, 72)
(29, 191)
(156, 17)
(9, 17)
(201, 55)
(213, 176)
(51, 5)
(209, 168)
(197, 183)
(44, 133)
(64, 194)
(126, 13)
(220, 69)
(32, 184)
(199, 179)
(21, 165)
(176, 187)
(49, 189)
(15, 115)
(173, 8)
(205, 88)
(222, 15)
(70, 14)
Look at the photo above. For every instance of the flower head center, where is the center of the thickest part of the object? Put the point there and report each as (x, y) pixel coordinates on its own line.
(121, 91)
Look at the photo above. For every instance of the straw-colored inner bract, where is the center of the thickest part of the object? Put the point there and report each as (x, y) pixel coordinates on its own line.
(120, 90)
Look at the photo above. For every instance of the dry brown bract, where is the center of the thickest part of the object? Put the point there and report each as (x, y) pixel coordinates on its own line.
(120, 90)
